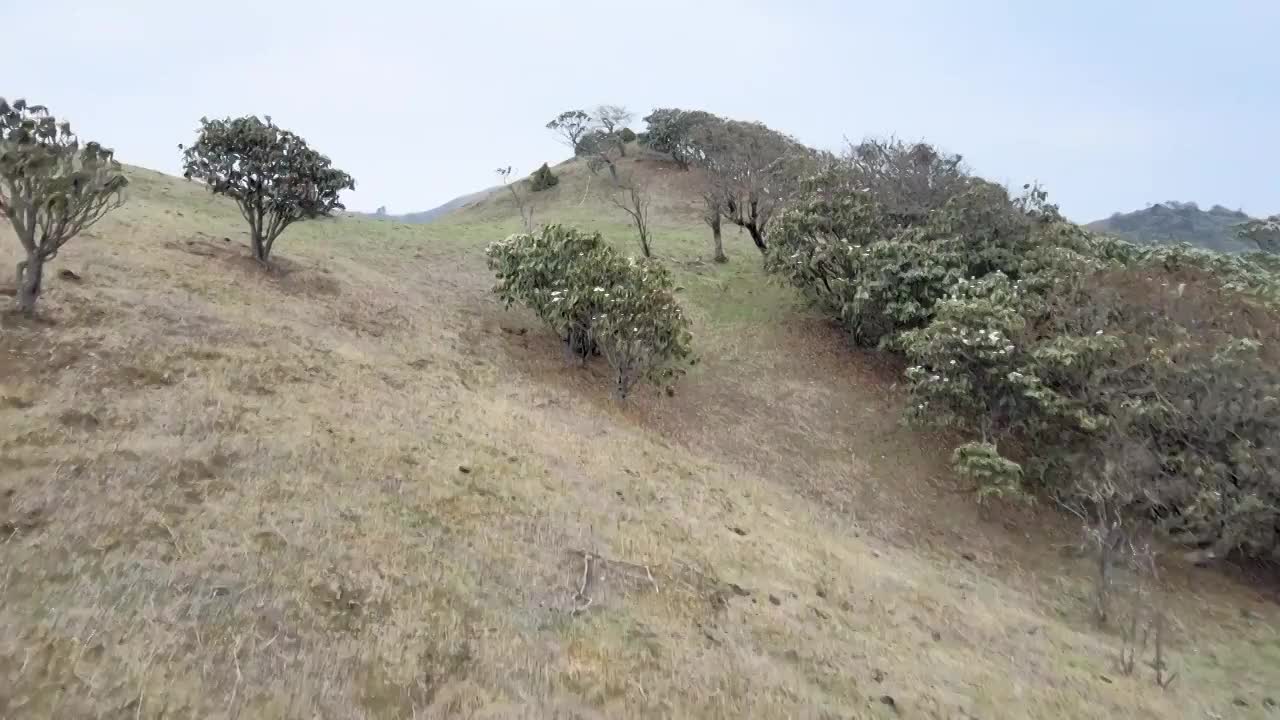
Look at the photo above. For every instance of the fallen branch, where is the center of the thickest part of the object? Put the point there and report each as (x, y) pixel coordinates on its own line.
(590, 560)
(582, 587)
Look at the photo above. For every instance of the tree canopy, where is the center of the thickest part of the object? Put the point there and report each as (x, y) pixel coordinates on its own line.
(571, 125)
(52, 187)
(751, 169)
(671, 131)
(270, 172)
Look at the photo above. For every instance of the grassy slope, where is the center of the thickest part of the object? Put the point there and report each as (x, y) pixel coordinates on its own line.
(231, 494)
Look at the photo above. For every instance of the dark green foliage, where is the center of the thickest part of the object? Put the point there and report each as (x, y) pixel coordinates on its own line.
(52, 188)
(1173, 223)
(543, 179)
(571, 125)
(596, 300)
(627, 135)
(1103, 373)
(271, 173)
(671, 131)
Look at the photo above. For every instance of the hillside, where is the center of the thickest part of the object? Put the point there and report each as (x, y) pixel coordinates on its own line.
(436, 213)
(359, 487)
(1173, 222)
(426, 216)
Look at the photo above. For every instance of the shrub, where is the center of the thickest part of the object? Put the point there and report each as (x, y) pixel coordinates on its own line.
(641, 329)
(553, 271)
(596, 300)
(908, 180)
(859, 262)
(271, 173)
(627, 135)
(1140, 380)
(543, 179)
(52, 188)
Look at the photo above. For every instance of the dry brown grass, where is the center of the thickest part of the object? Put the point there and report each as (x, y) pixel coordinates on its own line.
(354, 488)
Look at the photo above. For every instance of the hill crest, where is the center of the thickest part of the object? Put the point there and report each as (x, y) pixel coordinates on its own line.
(1173, 222)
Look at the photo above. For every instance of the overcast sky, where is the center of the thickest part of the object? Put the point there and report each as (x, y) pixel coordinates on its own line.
(1112, 105)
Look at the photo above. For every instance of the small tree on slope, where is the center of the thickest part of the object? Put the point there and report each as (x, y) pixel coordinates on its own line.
(271, 173)
(52, 188)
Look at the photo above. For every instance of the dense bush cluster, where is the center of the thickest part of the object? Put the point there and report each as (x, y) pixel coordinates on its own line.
(595, 299)
(1105, 374)
(543, 179)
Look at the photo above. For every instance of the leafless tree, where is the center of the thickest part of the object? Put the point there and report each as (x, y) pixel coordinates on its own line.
(601, 152)
(524, 203)
(752, 169)
(611, 120)
(629, 192)
(908, 180)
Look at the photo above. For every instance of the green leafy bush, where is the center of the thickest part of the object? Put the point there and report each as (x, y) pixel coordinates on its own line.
(543, 179)
(640, 329)
(598, 301)
(880, 275)
(627, 135)
(1100, 372)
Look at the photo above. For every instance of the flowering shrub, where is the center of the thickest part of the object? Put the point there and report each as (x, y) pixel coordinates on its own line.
(1103, 373)
(596, 300)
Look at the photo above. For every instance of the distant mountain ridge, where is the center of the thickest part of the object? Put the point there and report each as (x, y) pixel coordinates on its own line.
(435, 213)
(1170, 223)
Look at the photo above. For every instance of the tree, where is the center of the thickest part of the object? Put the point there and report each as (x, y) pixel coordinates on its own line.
(612, 120)
(52, 188)
(630, 193)
(571, 125)
(752, 169)
(711, 205)
(671, 131)
(523, 203)
(271, 173)
(601, 151)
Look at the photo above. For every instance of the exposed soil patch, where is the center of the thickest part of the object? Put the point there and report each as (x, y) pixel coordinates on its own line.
(79, 420)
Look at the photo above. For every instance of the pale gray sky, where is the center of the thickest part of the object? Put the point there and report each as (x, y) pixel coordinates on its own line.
(1112, 104)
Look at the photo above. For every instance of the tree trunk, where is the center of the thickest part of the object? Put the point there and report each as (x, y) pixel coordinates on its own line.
(717, 242)
(757, 237)
(30, 274)
(260, 250)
